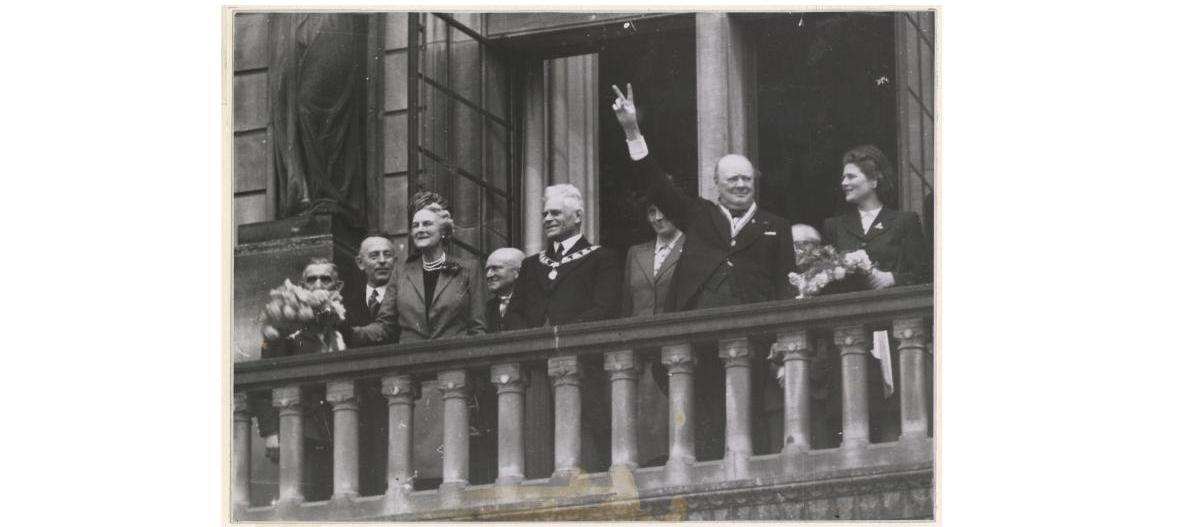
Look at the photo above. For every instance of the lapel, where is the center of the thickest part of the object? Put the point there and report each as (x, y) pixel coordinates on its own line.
(720, 223)
(443, 281)
(412, 274)
(672, 258)
(645, 261)
(564, 270)
(853, 225)
(750, 233)
(884, 221)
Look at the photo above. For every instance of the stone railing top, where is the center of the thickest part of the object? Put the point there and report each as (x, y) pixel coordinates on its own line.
(423, 358)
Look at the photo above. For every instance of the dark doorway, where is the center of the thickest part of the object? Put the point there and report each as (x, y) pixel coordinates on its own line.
(826, 83)
(662, 69)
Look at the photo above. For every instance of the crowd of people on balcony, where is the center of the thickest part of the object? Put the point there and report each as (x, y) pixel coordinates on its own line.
(705, 254)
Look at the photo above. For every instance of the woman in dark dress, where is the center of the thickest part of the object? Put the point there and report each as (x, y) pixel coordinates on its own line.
(895, 243)
(894, 240)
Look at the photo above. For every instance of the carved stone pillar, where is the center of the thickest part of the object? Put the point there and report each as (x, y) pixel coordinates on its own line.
(240, 451)
(400, 391)
(510, 384)
(622, 374)
(738, 448)
(564, 373)
(914, 400)
(680, 365)
(455, 431)
(854, 346)
(341, 395)
(291, 443)
(795, 350)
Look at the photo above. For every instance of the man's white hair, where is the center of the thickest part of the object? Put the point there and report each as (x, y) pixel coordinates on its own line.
(511, 255)
(567, 192)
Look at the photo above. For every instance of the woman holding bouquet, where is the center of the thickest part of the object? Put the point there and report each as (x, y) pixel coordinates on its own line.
(892, 239)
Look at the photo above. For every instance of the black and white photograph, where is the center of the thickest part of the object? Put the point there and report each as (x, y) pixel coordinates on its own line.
(583, 266)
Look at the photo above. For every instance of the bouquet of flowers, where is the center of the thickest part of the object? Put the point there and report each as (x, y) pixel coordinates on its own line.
(818, 266)
(294, 309)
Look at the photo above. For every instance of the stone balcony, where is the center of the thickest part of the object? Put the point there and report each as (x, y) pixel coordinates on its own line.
(856, 479)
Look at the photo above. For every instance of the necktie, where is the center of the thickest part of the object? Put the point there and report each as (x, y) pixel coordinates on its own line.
(737, 213)
(659, 257)
(557, 252)
(503, 306)
(373, 302)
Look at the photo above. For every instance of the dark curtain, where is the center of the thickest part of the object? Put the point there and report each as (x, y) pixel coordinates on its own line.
(317, 113)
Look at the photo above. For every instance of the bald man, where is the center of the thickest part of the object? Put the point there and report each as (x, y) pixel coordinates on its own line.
(501, 271)
(736, 253)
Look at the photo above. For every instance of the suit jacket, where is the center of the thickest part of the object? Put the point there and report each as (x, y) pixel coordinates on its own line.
(358, 314)
(645, 292)
(491, 310)
(895, 242)
(584, 289)
(457, 307)
(755, 264)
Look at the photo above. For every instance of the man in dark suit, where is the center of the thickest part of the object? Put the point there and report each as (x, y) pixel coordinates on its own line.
(736, 253)
(571, 281)
(501, 272)
(376, 259)
(317, 479)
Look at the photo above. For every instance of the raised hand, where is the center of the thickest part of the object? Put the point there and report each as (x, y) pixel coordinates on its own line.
(625, 111)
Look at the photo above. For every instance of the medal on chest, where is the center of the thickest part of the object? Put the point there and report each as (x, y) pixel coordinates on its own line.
(553, 265)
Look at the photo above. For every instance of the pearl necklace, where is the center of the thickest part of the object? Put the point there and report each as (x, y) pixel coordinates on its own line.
(435, 265)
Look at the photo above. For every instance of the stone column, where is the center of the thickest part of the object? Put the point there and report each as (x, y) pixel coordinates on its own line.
(341, 395)
(914, 400)
(564, 373)
(725, 95)
(795, 350)
(854, 346)
(455, 430)
(680, 365)
(400, 391)
(738, 448)
(240, 451)
(510, 388)
(291, 443)
(622, 374)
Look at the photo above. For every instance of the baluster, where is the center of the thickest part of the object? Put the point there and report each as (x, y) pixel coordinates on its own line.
(455, 428)
(852, 341)
(291, 443)
(564, 374)
(914, 400)
(240, 451)
(738, 448)
(510, 382)
(622, 373)
(400, 391)
(680, 365)
(795, 350)
(341, 395)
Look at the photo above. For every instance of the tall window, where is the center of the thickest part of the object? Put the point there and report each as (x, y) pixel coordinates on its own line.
(461, 126)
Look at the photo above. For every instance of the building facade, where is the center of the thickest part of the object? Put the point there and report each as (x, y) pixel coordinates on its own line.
(489, 108)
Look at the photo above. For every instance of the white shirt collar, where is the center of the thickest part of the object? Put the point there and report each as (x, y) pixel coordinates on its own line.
(868, 217)
(568, 243)
(735, 225)
(382, 289)
(658, 243)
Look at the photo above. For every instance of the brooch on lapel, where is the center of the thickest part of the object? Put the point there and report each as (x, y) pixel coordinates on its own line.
(879, 226)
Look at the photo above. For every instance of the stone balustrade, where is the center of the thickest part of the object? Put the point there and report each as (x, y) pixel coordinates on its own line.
(883, 480)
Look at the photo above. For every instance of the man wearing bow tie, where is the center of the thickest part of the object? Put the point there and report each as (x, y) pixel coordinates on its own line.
(736, 253)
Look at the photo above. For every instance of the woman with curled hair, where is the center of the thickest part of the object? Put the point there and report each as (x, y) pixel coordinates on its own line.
(892, 239)
(433, 295)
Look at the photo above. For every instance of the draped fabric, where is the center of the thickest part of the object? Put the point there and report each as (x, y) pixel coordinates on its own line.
(317, 113)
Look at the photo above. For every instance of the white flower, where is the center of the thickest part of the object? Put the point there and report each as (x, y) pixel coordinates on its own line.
(839, 272)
